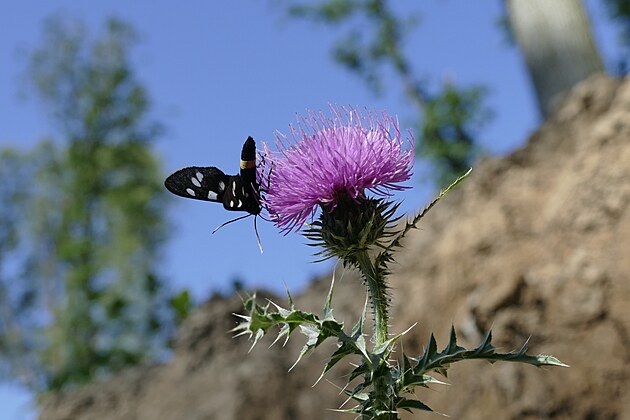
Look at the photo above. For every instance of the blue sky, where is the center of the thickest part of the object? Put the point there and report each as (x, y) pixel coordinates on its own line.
(218, 72)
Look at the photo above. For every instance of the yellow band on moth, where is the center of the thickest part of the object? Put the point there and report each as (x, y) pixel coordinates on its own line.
(248, 164)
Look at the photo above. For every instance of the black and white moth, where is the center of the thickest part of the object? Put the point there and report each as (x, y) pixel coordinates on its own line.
(237, 192)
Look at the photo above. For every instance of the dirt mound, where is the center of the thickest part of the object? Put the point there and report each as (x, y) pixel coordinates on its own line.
(534, 244)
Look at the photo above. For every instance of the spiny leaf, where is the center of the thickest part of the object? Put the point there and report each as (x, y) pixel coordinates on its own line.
(260, 320)
(431, 360)
(409, 404)
(328, 312)
(384, 349)
(413, 222)
(353, 344)
(312, 333)
(345, 349)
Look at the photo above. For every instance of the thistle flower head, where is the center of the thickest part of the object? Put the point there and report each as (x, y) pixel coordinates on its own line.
(330, 159)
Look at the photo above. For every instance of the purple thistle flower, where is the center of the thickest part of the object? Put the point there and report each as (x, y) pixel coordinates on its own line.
(347, 154)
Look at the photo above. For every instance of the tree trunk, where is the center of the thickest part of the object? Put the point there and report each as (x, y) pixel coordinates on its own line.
(556, 40)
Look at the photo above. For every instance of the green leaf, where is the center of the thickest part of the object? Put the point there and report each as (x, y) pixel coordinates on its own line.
(413, 222)
(260, 320)
(409, 404)
(384, 349)
(431, 360)
(181, 305)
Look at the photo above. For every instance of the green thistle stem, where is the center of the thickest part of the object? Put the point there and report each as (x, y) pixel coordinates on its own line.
(377, 290)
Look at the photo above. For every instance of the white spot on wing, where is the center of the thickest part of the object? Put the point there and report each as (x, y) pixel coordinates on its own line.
(212, 196)
(190, 191)
(199, 176)
(195, 181)
(233, 188)
(239, 204)
(231, 203)
(221, 186)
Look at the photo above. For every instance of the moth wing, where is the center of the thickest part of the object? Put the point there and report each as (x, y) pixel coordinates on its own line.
(240, 196)
(199, 183)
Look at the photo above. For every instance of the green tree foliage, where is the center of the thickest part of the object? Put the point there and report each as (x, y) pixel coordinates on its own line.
(450, 125)
(82, 220)
(449, 117)
(16, 297)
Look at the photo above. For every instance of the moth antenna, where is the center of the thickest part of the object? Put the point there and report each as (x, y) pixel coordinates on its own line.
(257, 235)
(230, 221)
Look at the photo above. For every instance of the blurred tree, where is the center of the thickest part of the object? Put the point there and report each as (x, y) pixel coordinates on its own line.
(82, 220)
(449, 117)
(556, 40)
(15, 296)
(554, 36)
